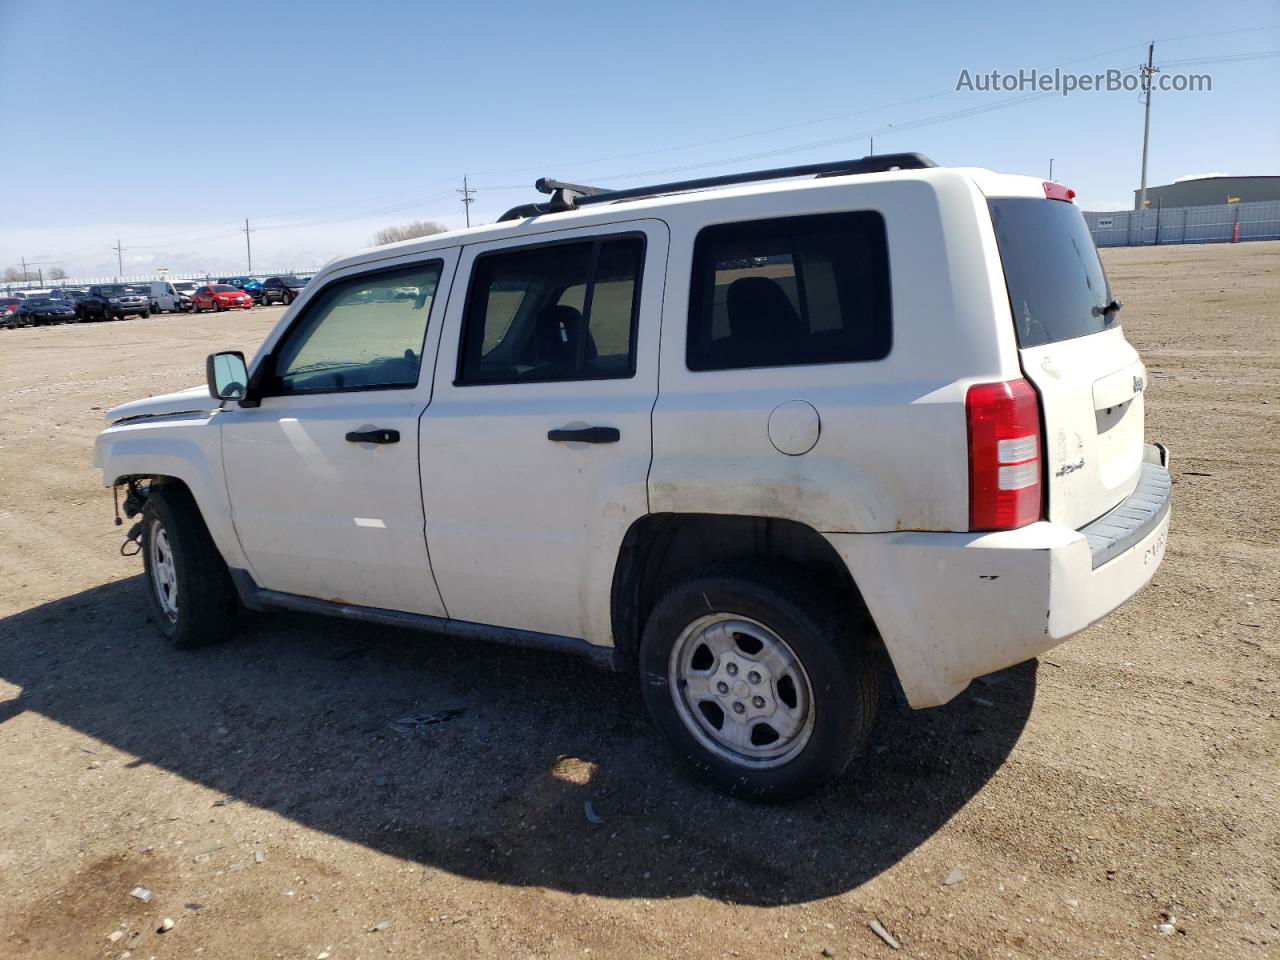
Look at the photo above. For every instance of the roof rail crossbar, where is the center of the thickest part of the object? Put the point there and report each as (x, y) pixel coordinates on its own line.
(577, 196)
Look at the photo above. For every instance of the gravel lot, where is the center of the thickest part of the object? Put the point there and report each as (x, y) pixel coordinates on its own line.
(257, 790)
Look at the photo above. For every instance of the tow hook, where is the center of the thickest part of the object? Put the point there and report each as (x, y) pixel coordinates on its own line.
(134, 536)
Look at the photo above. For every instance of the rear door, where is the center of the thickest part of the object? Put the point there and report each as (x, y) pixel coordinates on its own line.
(537, 443)
(1073, 349)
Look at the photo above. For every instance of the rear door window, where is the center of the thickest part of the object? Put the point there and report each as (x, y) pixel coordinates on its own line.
(1057, 287)
(564, 311)
(797, 290)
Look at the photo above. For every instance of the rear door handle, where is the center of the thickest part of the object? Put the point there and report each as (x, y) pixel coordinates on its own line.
(374, 436)
(586, 435)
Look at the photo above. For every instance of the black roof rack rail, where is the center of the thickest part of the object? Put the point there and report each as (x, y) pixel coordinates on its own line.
(570, 196)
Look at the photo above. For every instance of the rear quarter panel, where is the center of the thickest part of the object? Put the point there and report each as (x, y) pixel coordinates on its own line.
(892, 452)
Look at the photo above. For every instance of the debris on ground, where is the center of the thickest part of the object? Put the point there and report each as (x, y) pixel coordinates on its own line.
(408, 725)
(165, 925)
(141, 893)
(954, 877)
(259, 856)
(381, 926)
(591, 814)
(884, 934)
(116, 936)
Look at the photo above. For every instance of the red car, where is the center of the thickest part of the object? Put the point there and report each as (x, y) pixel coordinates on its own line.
(220, 296)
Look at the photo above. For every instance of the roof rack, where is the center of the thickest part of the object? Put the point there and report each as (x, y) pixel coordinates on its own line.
(571, 196)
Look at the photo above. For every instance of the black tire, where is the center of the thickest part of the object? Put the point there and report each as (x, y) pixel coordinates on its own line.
(825, 637)
(145, 314)
(205, 605)
(217, 307)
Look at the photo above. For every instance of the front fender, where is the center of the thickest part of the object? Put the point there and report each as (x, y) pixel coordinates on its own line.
(186, 447)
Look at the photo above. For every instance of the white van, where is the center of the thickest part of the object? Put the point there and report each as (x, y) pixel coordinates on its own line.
(172, 296)
(744, 436)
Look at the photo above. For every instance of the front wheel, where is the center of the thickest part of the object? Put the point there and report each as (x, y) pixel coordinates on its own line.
(145, 314)
(189, 591)
(756, 678)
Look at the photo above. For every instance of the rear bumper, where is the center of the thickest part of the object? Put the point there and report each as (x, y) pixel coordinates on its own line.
(954, 606)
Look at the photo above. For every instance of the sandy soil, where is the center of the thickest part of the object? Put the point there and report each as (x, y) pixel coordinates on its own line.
(257, 790)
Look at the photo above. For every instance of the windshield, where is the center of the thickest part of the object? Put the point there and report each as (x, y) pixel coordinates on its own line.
(184, 287)
(1057, 287)
(223, 288)
(114, 290)
(40, 301)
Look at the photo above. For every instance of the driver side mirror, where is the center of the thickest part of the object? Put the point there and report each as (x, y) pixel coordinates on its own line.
(227, 374)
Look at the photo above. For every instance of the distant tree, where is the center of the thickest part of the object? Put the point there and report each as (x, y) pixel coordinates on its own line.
(407, 231)
(57, 273)
(14, 275)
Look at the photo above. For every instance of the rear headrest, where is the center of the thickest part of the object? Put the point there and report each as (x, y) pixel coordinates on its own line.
(759, 310)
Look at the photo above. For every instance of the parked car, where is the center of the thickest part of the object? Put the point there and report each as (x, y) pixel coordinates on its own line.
(220, 296)
(280, 289)
(172, 296)
(114, 301)
(9, 312)
(40, 294)
(41, 310)
(915, 437)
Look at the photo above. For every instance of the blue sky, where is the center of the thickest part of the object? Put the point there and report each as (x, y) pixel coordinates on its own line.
(166, 124)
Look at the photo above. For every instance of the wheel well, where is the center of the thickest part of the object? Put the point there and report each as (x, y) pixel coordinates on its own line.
(661, 550)
(138, 487)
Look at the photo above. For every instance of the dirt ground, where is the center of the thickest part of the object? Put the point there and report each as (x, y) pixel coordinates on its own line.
(257, 789)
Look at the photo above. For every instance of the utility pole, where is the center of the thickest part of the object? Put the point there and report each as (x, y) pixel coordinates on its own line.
(24, 269)
(247, 249)
(872, 152)
(1051, 168)
(1147, 73)
(119, 258)
(467, 199)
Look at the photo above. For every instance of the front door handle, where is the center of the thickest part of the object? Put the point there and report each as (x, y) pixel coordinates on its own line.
(374, 436)
(586, 435)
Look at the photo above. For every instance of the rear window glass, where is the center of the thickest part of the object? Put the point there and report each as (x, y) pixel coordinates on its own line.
(1057, 287)
(798, 290)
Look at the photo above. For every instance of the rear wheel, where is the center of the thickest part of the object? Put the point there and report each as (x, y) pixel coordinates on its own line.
(145, 314)
(758, 680)
(189, 591)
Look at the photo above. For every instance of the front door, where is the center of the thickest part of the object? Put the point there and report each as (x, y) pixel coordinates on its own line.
(536, 445)
(323, 476)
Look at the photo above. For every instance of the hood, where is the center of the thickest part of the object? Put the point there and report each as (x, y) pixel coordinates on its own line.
(193, 400)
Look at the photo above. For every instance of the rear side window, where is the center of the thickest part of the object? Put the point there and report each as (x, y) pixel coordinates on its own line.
(1057, 287)
(563, 311)
(799, 290)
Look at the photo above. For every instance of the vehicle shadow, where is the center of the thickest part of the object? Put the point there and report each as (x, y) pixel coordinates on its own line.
(295, 713)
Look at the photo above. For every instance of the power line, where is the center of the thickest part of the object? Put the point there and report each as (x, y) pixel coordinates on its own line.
(119, 258)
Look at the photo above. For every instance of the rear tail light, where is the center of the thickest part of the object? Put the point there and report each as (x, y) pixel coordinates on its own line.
(1004, 455)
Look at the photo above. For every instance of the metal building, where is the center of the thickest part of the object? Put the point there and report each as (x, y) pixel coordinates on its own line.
(1204, 191)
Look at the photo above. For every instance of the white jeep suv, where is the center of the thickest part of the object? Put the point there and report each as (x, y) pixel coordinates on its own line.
(746, 434)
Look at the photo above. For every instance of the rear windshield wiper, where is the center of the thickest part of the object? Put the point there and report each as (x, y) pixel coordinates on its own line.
(1106, 312)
